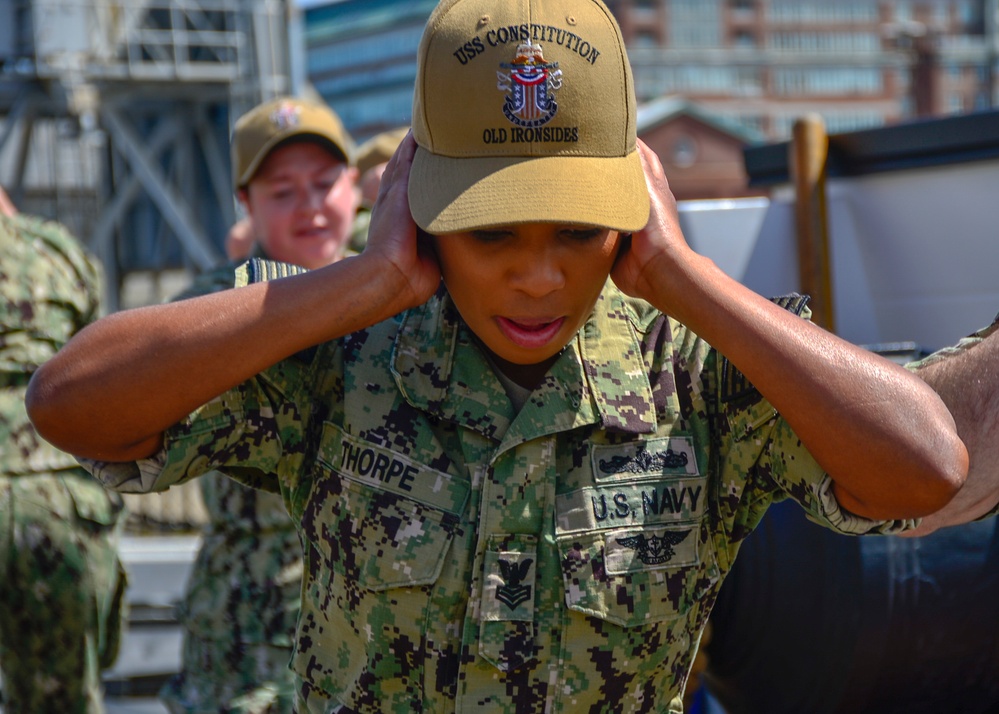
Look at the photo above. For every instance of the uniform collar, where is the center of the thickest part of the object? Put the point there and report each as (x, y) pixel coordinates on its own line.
(600, 378)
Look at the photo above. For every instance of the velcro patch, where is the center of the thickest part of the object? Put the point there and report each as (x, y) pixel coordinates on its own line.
(382, 468)
(632, 551)
(668, 456)
(631, 505)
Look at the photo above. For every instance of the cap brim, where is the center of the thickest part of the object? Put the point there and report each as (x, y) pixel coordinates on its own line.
(449, 195)
(307, 134)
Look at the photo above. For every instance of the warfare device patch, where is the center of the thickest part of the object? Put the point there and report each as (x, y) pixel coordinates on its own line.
(667, 456)
(655, 549)
(649, 550)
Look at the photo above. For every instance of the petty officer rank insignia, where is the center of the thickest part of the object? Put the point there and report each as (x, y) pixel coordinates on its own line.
(506, 632)
(530, 85)
(646, 500)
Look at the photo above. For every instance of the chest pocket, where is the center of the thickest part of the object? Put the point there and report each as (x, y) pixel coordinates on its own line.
(376, 531)
(635, 546)
(378, 518)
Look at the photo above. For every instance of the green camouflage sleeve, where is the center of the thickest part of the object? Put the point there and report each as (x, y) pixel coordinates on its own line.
(962, 345)
(253, 433)
(759, 442)
(50, 288)
(790, 466)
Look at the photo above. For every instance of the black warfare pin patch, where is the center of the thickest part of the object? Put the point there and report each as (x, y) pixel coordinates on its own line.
(530, 84)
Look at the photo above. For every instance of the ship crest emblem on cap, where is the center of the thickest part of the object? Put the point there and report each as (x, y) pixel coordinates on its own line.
(530, 87)
(287, 116)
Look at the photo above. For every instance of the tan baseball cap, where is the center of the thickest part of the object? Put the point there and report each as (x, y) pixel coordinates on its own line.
(525, 112)
(379, 148)
(265, 126)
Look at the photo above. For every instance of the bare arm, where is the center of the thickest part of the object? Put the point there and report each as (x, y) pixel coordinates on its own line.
(968, 383)
(114, 388)
(884, 437)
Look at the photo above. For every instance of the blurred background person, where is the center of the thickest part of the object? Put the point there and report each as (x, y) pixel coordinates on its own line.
(372, 156)
(61, 580)
(294, 175)
(239, 240)
(6, 205)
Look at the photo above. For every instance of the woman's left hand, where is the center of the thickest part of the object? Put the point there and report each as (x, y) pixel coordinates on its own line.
(649, 255)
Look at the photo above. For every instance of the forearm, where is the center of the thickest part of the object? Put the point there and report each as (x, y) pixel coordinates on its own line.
(115, 387)
(885, 438)
(968, 383)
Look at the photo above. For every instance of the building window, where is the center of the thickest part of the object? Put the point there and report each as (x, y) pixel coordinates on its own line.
(971, 17)
(646, 39)
(827, 82)
(644, 10)
(831, 42)
(811, 12)
(696, 79)
(694, 23)
(343, 52)
(754, 123)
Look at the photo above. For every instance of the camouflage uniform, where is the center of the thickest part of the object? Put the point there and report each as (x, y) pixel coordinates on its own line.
(962, 345)
(61, 582)
(464, 557)
(243, 594)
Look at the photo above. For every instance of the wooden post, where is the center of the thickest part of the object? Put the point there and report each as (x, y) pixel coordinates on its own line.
(809, 152)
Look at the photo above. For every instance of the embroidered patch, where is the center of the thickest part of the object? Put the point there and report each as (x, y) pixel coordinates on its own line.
(670, 456)
(632, 505)
(388, 470)
(286, 116)
(654, 549)
(514, 590)
(530, 87)
(508, 594)
(632, 551)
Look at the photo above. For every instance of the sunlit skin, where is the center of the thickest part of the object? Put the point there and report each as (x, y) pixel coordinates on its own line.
(301, 203)
(526, 290)
(239, 240)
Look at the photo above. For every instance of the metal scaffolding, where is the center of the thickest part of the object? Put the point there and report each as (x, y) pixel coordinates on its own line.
(115, 118)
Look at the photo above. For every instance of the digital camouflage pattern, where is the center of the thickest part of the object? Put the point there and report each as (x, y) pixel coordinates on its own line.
(463, 557)
(243, 594)
(61, 582)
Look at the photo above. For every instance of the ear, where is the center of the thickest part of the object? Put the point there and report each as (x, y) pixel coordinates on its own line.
(623, 246)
